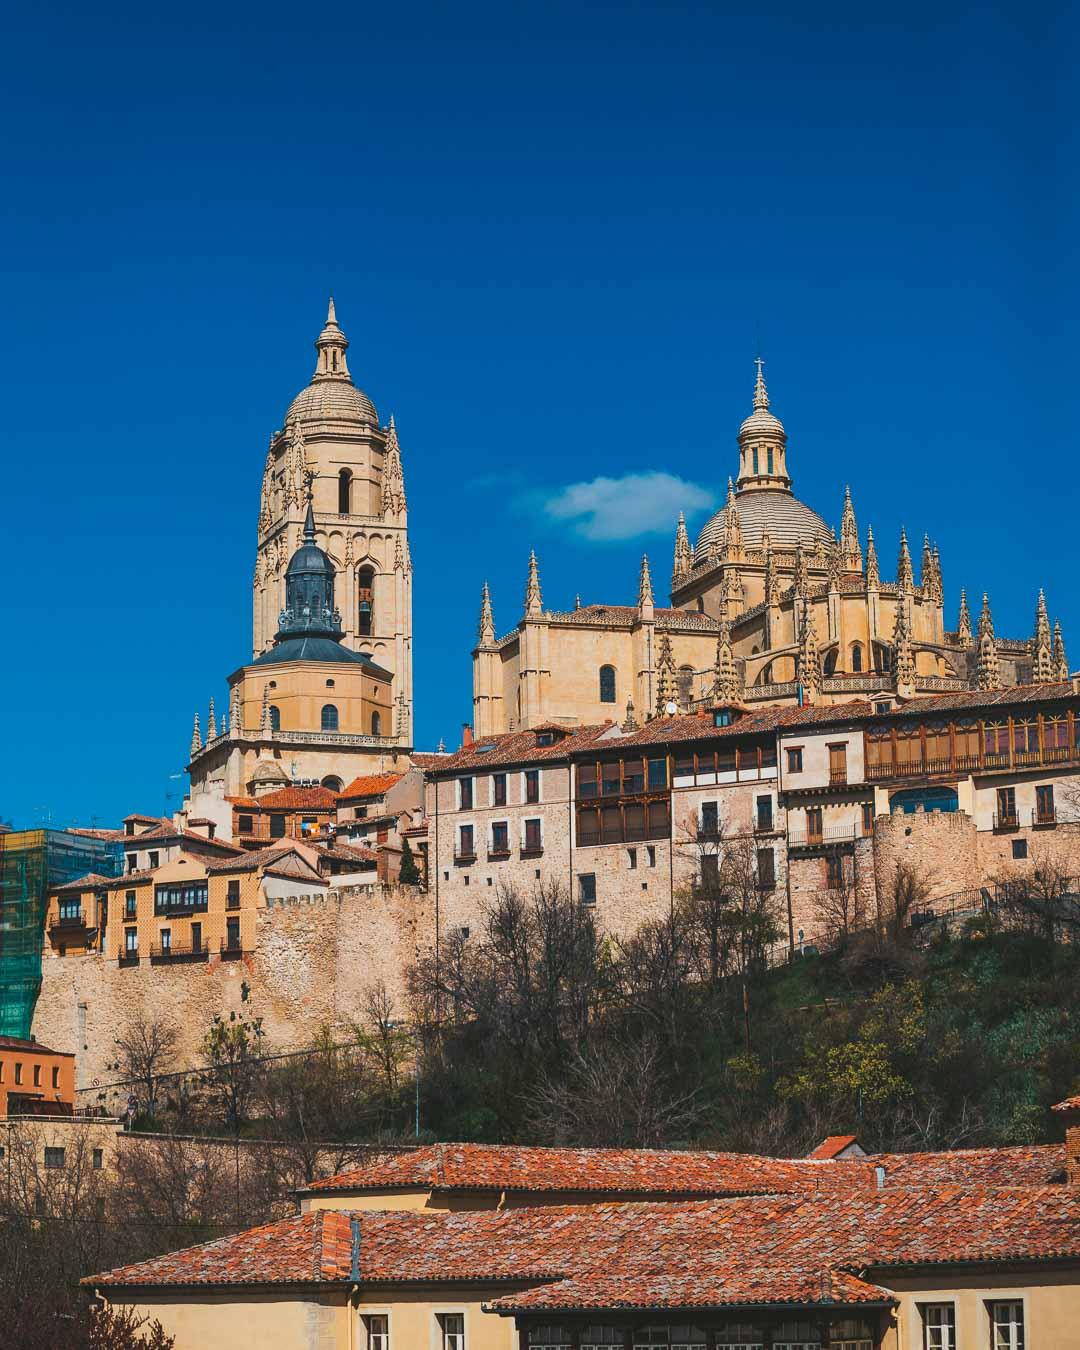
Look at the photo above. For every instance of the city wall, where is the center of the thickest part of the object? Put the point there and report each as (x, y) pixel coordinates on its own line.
(315, 959)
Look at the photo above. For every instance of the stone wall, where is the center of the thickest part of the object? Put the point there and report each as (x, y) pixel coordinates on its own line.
(941, 846)
(315, 958)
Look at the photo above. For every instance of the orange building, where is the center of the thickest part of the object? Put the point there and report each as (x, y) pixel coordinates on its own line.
(34, 1080)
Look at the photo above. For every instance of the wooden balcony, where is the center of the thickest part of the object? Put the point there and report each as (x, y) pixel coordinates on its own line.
(71, 920)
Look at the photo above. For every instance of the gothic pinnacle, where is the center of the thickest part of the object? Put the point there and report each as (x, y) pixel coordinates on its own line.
(534, 605)
(645, 592)
(684, 557)
(987, 669)
(905, 577)
(196, 738)
(486, 631)
(963, 626)
(761, 394)
(849, 536)
(211, 722)
(1042, 663)
(1061, 665)
(873, 575)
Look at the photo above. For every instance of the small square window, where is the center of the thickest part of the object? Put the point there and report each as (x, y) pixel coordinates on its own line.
(54, 1157)
(154, 858)
(1019, 848)
(587, 888)
(794, 759)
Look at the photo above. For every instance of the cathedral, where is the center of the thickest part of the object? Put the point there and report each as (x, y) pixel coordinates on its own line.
(768, 607)
(328, 692)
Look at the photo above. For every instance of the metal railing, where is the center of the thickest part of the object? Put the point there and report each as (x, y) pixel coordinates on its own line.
(830, 834)
(178, 951)
(1006, 820)
(69, 920)
(231, 949)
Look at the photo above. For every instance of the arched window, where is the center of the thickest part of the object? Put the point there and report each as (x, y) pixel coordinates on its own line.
(275, 717)
(376, 724)
(856, 658)
(607, 684)
(344, 492)
(830, 662)
(333, 783)
(684, 682)
(329, 721)
(365, 600)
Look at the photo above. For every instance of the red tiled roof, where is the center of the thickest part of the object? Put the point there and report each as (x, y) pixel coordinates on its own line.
(752, 1249)
(24, 1043)
(671, 1172)
(250, 860)
(85, 883)
(1069, 1104)
(428, 759)
(834, 1144)
(250, 802)
(299, 799)
(166, 832)
(370, 785)
(517, 747)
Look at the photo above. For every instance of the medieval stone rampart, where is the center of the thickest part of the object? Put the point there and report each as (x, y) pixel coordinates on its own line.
(316, 956)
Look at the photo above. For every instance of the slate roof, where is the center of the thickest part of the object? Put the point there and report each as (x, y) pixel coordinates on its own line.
(315, 648)
(763, 1249)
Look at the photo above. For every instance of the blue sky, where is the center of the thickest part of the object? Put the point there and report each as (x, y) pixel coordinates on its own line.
(557, 235)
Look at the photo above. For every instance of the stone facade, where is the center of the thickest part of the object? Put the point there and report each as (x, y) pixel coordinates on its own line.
(770, 605)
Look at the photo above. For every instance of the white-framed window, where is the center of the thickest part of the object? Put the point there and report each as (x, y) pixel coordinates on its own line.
(532, 785)
(377, 1329)
(1007, 1324)
(465, 794)
(451, 1331)
(939, 1326)
(532, 834)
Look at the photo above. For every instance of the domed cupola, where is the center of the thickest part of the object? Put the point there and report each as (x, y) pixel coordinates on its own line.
(331, 396)
(764, 500)
(762, 443)
(309, 590)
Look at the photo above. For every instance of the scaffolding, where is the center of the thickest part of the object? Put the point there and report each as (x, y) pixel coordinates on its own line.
(33, 862)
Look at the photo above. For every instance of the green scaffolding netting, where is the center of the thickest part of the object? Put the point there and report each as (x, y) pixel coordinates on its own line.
(31, 863)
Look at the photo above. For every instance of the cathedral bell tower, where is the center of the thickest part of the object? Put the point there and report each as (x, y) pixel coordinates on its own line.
(333, 448)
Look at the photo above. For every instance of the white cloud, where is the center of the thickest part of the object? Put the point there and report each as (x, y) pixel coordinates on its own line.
(622, 508)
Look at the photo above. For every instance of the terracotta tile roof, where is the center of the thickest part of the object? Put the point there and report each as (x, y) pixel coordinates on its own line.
(341, 852)
(995, 698)
(834, 1144)
(167, 833)
(250, 802)
(35, 1047)
(516, 747)
(251, 860)
(94, 881)
(1069, 1104)
(370, 785)
(110, 836)
(671, 1172)
(299, 799)
(748, 1250)
(85, 883)
(608, 1170)
(428, 759)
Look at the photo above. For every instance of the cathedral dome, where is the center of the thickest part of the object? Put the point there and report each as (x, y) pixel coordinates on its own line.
(331, 396)
(773, 512)
(332, 401)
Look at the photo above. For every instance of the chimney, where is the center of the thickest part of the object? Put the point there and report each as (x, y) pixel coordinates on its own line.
(466, 735)
(1070, 1109)
(879, 1177)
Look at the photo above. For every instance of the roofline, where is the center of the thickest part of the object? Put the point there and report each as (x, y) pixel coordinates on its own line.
(613, 1309)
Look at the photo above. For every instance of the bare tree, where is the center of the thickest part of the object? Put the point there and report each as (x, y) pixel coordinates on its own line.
(840, 910)
(147, 1049)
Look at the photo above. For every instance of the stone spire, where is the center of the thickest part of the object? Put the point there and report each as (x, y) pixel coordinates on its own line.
(393, 477)
(835, 565)
(1061, 665)
(667, 689)
(645, 595)
(801, 577)
(963, 624)
(732, 525)
(534, 605)
(235, 727)
(808, 662)
(196, 738)
(211, 722)
(264, 718)
(987, 670)
(903, 656)
(331, 345)
(939, 584)
(486, 629)
(1042, 657)
(873, 574)
(905, 577)
(851, 553)
(727, 682)
(684, 554)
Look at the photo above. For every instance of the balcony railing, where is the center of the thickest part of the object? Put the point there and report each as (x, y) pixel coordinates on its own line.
(1044, 816)
(498, 854)
(69, 920)
(127, 956)
(830, 834)
(954, 764)
(838, 778)
(232, 902)
(1006, 820)
(531, 850)
(461, 857)
(179, 951)
(231, 949)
